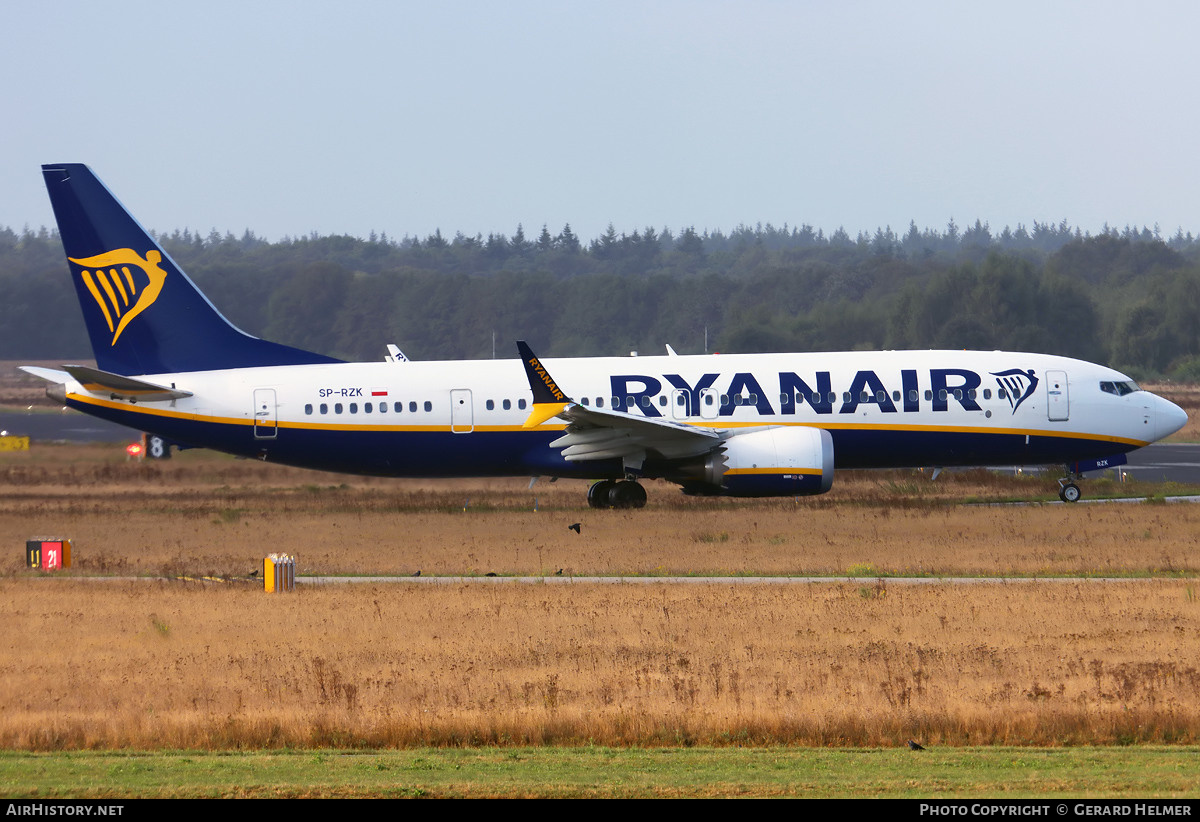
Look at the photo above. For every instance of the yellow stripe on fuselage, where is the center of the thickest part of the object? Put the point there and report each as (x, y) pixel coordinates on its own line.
(711, 424)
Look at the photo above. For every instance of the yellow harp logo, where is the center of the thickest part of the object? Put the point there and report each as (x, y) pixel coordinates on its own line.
(122, 293)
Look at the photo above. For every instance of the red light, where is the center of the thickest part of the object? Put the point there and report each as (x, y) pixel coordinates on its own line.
(134, 449)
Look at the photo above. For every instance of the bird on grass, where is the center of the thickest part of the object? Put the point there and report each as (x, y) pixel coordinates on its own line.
(418, 573)
(575, 526)
(915, 746)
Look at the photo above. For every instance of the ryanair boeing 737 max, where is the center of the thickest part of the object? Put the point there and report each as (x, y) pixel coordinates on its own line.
(740, 425)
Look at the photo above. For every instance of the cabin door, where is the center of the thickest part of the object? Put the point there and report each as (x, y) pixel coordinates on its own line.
(266, 422)
(462, 417)
(1057, 399)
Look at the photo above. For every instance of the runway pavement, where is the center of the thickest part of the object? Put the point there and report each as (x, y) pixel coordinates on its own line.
(68, 426)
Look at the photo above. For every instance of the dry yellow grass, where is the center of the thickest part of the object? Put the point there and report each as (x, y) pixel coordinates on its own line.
(148, 664)
(144, 663)
(202, 513)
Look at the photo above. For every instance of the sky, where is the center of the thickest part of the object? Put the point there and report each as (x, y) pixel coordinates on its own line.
(408, 117)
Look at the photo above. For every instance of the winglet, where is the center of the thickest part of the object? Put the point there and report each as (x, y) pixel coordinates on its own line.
(548, 400)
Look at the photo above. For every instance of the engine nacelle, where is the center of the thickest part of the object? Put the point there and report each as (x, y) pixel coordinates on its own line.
(792, 461)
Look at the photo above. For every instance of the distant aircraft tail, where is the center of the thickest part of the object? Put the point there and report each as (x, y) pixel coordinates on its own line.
(143, 314)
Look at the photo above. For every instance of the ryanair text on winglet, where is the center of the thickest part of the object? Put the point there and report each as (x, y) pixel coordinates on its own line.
(546, 380)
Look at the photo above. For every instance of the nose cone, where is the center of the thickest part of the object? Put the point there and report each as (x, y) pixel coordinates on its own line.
(1168, 418)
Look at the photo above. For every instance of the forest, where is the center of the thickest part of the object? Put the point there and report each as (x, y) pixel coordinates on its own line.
(1129, 298)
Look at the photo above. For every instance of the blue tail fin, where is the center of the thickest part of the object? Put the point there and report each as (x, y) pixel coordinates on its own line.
(143, 314)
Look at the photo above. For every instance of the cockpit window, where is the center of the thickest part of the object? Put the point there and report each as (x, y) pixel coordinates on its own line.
(1119, 388)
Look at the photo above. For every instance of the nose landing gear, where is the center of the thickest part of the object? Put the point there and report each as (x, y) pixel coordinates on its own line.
(1068, 491)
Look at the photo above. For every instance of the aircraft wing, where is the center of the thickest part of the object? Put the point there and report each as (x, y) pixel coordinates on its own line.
(598, 434)
(602, 434)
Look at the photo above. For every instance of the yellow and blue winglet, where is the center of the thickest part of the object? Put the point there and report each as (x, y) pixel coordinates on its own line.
(548, 399)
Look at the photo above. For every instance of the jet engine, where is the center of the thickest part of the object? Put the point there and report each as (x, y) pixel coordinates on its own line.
(792, 461)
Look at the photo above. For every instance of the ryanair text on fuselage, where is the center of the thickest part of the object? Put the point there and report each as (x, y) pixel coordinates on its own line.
(942, 387)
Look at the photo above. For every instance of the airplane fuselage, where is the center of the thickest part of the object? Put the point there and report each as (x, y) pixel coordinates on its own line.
(464, 418)
(169, 363)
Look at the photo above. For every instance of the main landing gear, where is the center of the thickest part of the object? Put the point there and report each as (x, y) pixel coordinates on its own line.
(616, 494)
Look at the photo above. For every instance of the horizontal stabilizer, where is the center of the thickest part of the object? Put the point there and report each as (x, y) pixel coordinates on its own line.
(51, 374)
(118, 387)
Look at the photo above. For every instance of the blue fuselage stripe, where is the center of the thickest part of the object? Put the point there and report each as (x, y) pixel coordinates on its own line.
(441, 453)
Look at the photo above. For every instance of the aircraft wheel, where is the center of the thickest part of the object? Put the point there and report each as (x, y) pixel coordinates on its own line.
(599, 494)
(1069, 492)
(627, 494)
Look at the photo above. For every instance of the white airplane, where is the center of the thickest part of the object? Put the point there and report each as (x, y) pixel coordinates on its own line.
(739, 425)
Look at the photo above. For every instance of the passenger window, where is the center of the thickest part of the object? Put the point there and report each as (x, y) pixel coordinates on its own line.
(583, 401)
(912, 395)
(1001, 393)
(987, 393)
(491, 405)
(520, 404)
(428, 405)
(942, 394)
(397, 407)
(367, 408)
(324, 408)
(895, 396)
(599, 402)
(353, 408)
(929, 395)
(308, 409)
(412, 406)
(337, 408)
(662, 399)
